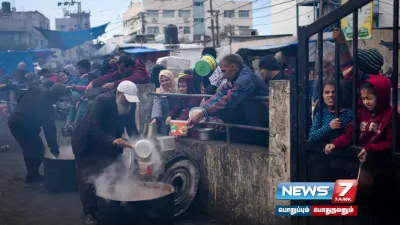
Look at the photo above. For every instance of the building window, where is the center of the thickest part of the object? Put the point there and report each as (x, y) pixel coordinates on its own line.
(184, 13)
(153, 30)
(228, 29)
(198, 4)
(168, 13)
(186, 30)
(244, 13)
(152, 13)
(244, 27)
(197, 37)
(229, 13)
(198, 20)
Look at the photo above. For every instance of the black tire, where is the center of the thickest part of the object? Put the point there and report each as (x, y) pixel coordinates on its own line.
(183, 175)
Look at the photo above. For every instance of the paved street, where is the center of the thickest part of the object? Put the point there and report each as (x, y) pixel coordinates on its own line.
(33, 205)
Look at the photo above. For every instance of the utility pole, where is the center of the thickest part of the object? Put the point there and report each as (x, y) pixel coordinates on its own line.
(212, 23)
(217, 21)
(230, 38)
(204, 40)
(143, 23)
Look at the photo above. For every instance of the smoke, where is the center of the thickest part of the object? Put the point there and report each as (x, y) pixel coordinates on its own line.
(122, 181)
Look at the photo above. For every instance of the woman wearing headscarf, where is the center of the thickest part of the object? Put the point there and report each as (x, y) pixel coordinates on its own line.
(161, 104)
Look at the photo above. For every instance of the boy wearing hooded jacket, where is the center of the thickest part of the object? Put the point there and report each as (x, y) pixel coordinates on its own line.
(379, 181)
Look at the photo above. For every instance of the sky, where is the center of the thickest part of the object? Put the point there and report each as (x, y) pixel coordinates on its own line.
(103, 11)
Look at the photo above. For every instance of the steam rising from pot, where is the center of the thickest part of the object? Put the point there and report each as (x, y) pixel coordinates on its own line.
(121, 180)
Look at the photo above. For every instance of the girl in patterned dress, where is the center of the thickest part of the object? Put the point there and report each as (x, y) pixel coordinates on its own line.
(331, 127)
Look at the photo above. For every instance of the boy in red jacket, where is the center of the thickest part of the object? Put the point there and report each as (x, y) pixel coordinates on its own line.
(375, 119)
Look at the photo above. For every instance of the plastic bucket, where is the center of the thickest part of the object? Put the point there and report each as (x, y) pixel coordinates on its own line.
(205, 65)
(179, 127)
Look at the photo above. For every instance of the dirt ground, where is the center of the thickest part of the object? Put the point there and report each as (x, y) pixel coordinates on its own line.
(22, 204)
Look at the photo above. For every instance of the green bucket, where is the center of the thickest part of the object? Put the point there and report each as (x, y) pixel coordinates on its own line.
(205, 65)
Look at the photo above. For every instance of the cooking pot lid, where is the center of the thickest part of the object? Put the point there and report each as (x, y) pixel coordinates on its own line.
(144, 148)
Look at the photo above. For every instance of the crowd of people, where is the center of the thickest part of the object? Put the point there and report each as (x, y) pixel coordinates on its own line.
(100, 103)
(374, 111)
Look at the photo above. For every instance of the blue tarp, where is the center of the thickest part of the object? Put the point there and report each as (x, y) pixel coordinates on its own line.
(41, 53)
(142, 50)
(9, 61)
(68, 39)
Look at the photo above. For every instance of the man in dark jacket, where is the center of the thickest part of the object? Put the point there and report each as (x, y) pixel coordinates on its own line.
(128, 69)
(33, 111)
(271, 70)
(232, 104)
(204, 80)
(97, 142)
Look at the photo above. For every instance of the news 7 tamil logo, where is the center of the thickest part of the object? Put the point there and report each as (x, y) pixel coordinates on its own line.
(341, 191)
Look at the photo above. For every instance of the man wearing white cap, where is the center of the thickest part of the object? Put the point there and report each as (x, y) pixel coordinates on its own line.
(97, 140)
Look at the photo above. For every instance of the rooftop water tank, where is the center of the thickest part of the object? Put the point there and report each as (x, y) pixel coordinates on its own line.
(171, 35)
(6, 7)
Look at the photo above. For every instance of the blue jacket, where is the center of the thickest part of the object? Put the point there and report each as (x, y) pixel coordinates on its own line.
(230, 95)
(324, 132)
(76, 80)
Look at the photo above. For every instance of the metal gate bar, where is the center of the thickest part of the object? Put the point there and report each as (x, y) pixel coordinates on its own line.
(320, 74)
(395, 73)
(355, 79)
(337, 78)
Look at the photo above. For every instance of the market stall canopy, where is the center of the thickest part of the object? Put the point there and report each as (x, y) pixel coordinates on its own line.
(42, 53)
(290, 49)
(68, 39)
(149, 55)
(142, 50)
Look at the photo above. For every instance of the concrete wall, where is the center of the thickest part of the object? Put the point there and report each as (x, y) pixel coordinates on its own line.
(379, 35)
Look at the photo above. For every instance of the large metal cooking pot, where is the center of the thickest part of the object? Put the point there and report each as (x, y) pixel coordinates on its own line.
(206, 134)
(157, 208)
(60, 172)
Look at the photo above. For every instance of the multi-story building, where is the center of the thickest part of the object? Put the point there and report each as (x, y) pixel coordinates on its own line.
(192, 17)
(280, 16)
(382, 12)
(74, 22)
(17, 30)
